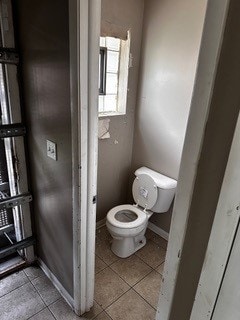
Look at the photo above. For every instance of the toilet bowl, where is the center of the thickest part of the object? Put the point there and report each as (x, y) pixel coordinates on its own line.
(127, 224)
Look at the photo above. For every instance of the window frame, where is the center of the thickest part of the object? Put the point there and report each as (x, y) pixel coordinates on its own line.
(123, 78)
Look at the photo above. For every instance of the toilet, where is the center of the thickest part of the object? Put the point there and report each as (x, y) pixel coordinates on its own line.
(127, 224)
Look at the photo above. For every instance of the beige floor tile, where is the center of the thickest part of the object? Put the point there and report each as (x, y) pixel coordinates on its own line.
(149, 288)
(12, 282)
(99, 264)
(46, 289)
(108, 287)
(62, 311)
(21, 303)
(131, 307)
(33, 272)
(103, 250)
(152, 254)
(160, 268)
(131, 269)
(102, 233)
(103, 316)
(43, 315)
(150, 235)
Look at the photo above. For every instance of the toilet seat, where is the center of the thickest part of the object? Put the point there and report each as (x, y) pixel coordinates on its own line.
(141, 216)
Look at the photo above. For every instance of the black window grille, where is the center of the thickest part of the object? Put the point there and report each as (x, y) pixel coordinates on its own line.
(102, 70)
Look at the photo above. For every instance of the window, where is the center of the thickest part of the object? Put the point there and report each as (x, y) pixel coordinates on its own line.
(113, 75)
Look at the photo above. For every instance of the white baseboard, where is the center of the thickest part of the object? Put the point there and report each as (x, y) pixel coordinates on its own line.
(158, 231)
(101, 223)
(56, 283)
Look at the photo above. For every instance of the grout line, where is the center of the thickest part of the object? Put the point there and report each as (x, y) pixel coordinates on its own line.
(36, 313)
(15, 288)
(158, 267)
(131, 286)
(144, 299)
(100, 314)
(103, 262)
(58, 300)
(33, 278)
(38, 292)
(104, 309)
(51, 310)
(146, 261)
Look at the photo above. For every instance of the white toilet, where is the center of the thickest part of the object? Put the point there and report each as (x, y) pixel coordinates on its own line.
(152, 192)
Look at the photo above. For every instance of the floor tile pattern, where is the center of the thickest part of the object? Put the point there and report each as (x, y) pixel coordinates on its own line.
(142, 273)
(125, 289)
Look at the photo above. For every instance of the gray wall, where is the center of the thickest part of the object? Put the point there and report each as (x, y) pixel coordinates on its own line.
(114, 160)
(42, 31)
(171, 38)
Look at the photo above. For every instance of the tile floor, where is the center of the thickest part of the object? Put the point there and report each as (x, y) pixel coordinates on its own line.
(126, 289)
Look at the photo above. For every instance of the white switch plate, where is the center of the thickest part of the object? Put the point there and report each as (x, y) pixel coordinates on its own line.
(52, 150)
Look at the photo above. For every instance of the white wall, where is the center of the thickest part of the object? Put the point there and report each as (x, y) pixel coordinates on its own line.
(171, 39)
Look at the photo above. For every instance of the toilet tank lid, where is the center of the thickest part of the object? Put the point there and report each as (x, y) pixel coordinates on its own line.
(161, 180)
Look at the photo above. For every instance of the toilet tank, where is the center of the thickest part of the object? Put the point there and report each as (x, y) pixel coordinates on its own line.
(166, 189)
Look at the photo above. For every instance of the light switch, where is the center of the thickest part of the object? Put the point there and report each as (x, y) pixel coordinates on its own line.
(52, 150)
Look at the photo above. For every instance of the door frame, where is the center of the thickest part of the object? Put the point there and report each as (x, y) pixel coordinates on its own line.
(84, 49)
(84, 32)
(206, 174)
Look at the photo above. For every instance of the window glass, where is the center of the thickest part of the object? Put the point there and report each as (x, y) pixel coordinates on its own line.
(110, 103)
(113, 98)
(112, 61)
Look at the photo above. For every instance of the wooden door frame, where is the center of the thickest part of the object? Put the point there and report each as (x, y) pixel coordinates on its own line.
(84, 27)
(211, 126)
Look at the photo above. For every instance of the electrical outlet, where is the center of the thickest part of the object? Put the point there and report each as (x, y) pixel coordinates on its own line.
(52, 150)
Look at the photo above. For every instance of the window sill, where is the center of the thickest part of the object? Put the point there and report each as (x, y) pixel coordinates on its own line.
(110, 114)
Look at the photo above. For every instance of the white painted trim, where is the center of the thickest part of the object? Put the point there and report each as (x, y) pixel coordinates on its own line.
(162, 233)
(79, 167)
(84, 31)
(101, 223)
(226, 220)
(184, 219)
(93, 93)
(63, 292)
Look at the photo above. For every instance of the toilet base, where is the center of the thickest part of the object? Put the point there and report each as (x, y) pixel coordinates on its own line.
(125, 247)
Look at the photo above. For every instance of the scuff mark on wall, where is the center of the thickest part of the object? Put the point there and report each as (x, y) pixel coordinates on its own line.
(103, 129)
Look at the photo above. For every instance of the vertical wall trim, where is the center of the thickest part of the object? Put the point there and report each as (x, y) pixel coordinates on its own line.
(93, 69)
(185, 233)
(84, 28)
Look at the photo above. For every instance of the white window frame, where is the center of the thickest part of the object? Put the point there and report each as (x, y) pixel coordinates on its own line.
(123, 72)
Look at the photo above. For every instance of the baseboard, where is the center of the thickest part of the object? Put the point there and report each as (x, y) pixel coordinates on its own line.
(158, 231)
(101, 223)
(66, 296)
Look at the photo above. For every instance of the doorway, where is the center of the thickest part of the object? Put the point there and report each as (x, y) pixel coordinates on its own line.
(174, 259)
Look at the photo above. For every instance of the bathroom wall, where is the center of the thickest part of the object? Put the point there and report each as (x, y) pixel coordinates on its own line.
(171, 39)
(42, 34)
(115, 154)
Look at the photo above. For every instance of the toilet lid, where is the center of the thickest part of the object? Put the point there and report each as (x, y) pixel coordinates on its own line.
(126, 216)
(145, 191)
